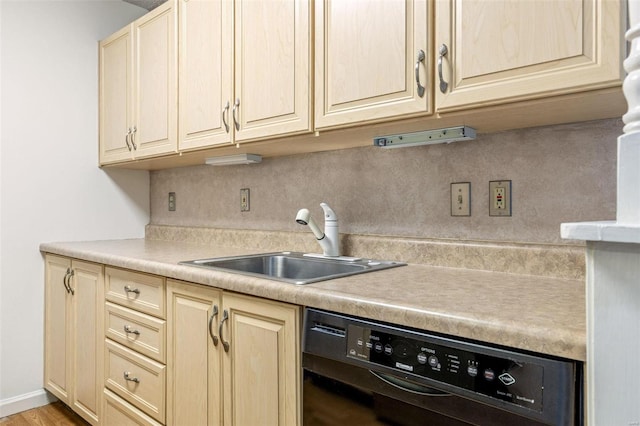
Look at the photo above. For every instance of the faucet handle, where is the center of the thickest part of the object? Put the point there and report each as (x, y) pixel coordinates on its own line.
(329, 214)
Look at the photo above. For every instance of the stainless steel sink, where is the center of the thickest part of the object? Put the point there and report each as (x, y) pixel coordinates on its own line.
(293, 267)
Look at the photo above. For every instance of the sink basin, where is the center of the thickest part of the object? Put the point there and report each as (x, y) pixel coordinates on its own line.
(293, 267)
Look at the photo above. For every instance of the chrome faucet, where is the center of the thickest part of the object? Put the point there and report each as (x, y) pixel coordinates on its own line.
(328, 239)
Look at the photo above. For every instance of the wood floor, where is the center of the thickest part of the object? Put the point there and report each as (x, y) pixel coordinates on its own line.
(56, 414)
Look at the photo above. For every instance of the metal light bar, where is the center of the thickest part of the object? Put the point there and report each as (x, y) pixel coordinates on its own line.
(229, 160)
(427, 137)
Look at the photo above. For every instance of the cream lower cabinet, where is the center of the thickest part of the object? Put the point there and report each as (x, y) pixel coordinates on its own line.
(501, 51)
(134, 348)
(73, 334)
(232, 359)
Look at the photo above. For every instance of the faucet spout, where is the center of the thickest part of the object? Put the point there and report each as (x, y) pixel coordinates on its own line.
(328, 239)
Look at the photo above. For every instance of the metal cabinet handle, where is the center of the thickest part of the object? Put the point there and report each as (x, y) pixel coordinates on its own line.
(225, 111)
(130, 379)
(66, 281)
(442, 53)
(225, 345)
(126, 138)
(128, 289)
(213, 314)
(129, 330)
(133, 137)
(420, 59)
(233, 111)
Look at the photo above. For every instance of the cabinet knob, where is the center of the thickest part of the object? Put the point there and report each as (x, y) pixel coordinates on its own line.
(225, 316)
(214, 313)
(236, 106)
(128, 289)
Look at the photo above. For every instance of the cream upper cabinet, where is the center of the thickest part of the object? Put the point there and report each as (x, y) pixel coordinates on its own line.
(268, 44)
(272, 68)
(205, 72)
(138, 88)
(232, 359)
(73, 334)
(372, 61)
(503, 50)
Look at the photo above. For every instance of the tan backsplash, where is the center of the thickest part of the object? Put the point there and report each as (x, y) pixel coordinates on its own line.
(559, 174)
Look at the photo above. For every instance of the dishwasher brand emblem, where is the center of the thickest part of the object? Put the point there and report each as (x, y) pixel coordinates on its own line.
(507, 379)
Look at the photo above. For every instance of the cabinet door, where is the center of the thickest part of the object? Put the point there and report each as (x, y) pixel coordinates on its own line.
(116, 70)
(262, 369)
(57, 363)
(194, 381)
(272, 68)
(366, 57)
(155, 82)
(86, 331)
(504, 51)
(206, 72)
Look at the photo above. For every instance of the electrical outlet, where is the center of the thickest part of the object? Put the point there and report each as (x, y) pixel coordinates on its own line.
(500, 198)
(172, 201)
(244, 200)
(461, 199)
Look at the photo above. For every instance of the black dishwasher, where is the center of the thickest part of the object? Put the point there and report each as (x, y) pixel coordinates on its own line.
(361, 371)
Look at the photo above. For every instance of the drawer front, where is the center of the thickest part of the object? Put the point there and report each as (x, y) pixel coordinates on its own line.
(118, 412)
(141, 332)
(135, 378)
(142, 292)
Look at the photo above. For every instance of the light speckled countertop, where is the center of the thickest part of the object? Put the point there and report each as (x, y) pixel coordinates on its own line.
(539, 314)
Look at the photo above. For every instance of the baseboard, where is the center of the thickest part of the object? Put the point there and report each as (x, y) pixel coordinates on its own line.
(25, 402)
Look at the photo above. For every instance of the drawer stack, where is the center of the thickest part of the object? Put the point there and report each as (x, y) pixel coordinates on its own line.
(135, 348)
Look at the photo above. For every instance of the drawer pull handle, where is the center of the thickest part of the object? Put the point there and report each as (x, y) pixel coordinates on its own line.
(128, 289)
(225, 316)
(214, 313)
(129, 330)
(130, 379)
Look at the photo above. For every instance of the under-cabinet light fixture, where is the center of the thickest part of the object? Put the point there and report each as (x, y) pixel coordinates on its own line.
(229, 160)
(427, 137)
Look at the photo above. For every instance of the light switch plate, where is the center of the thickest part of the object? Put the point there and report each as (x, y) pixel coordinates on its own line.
(500, 198)
(461, 199)
(244, 200)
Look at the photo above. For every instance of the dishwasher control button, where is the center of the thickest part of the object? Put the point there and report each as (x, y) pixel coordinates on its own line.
(472, 370)
(422, 358)
(388, 349)
(489, 375)
(377, 347)
(433, 361)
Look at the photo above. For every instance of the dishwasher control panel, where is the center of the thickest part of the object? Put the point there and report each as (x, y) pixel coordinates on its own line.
(537, 386)
(502, 378)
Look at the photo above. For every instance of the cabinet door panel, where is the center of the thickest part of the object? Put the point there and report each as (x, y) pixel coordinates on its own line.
(272, 57)
(366, 53)
(57, 363)
(87, 284)
(194, 382)
(115, 106)
(155, 93)
(503, 51)
(262, 367)
(206, 72)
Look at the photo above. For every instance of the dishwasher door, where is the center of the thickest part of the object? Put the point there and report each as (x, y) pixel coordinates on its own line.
(363, 372)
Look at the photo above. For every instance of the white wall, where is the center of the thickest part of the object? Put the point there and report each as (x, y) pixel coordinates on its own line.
(50, 186)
